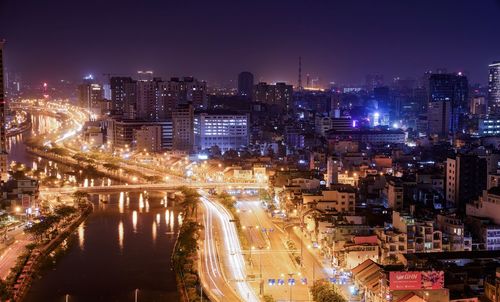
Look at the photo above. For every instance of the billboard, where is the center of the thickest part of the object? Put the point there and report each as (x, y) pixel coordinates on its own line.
(416, 280)
(26, 201)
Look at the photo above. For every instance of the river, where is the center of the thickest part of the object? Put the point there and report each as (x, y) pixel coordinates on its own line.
(125, 245)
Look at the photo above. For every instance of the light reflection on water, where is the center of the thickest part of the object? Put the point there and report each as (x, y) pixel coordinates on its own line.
(120, 235)
(81, 236)
(97, 253)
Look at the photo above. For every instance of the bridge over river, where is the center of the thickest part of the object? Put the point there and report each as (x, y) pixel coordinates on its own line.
(171, 186)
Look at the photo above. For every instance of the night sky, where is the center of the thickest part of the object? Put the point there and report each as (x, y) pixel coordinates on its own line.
(339, 41)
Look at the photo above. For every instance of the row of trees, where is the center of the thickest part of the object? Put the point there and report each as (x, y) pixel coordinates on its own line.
(324, 291)
(186, 252)
(230, 203)
(48, 224)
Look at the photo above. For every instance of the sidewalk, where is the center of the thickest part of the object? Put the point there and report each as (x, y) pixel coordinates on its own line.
(343, 289)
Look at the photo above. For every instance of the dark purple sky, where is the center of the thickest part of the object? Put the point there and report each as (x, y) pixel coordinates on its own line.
(339, 41)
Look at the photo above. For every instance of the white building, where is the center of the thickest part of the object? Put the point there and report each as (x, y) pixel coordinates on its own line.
(223, 129)
(338, 199)
(487, 206)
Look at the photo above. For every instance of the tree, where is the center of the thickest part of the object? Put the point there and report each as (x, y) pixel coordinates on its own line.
(190, 199)
(152, 178)
(43, 227)
(111, 167)
(226, 200)
(79, 198)
(264, 195)
(269, 298)
(59, 151)
(64, 211)
(79, 157)
(323, 291)
(230, 154)
(5, 294)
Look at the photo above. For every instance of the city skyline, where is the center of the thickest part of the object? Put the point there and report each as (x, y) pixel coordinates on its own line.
(255, 151)
(340, 42)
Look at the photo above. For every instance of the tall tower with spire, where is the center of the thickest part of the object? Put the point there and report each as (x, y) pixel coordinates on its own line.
(3, 136)
(300, 74)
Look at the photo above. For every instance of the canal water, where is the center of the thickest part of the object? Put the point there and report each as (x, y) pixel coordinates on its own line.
(125, 244)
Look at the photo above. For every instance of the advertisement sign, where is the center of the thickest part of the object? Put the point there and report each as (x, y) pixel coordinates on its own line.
(25, 201)
(416, 280)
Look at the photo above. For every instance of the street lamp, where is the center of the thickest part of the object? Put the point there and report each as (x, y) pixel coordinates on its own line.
(290, 275)
(261, 276)
(251, 249)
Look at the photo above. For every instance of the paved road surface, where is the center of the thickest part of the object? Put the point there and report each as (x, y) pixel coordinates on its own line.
(212, 274)
(229, 251)
(275, 262)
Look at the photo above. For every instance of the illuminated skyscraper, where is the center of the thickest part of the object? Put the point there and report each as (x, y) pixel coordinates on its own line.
(452, 89)
(89, 95)
(3, 145)
(122, 89)
(494, 88)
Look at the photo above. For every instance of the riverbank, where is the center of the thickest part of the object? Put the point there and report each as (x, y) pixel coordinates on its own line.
(185, 256)
(23, 128)
(126, 176)
(22, 276)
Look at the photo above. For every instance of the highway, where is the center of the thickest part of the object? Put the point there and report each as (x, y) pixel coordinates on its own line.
(275, 262)
(9, 255)
(211, 273)
(230, 255)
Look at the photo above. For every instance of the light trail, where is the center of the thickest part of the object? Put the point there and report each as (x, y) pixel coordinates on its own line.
(212, 264)
(233, 250)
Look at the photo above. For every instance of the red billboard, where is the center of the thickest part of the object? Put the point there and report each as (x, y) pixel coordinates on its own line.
(26, 201)
(416, 280)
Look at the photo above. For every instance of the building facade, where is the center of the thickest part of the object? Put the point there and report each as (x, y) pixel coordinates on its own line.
(225, 130)
(466, 178)
(183, 122)
(279, 94)
(120, 133)
(122, 90)
(245, 84)
(3, 134)
(494, 88)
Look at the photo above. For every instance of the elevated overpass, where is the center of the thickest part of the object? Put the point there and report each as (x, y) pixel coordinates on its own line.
(171, 186)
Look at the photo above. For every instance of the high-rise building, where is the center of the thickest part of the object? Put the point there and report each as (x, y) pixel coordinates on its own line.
(120, 93)
(3, 134)
(466, 178)
(149, 105)
(150, 138)
(224, 129)
(449, 87)
(184, 90)
(383, 97)
(453, 89)
(183, 119)
(478, 105)
(121, 133)
(439, 119)
(279, 94)
(245, 84)
(489, 126)
(90, 95)
(494, 88)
